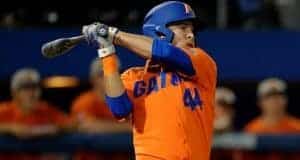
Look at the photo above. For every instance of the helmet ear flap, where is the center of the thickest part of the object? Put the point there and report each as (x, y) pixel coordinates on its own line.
(164, 33)
(158, 32)
(160, 35)
(150, 30)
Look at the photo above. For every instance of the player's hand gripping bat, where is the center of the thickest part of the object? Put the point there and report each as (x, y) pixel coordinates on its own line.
(60, 46)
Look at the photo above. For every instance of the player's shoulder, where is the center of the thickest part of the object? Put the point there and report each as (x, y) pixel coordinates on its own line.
(6, 105)
(202, 59)
(85, 96)
(132, 73)
(83, 99)
(8, 110)
(293, 120)
(201, 53)
(254, 125)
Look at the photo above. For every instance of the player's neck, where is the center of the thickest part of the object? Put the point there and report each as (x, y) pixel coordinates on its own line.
(273, 119)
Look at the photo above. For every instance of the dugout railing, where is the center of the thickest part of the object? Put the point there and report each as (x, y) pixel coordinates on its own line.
(121, 142)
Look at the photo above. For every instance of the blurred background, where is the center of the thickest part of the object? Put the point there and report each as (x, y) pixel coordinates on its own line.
(256, 44)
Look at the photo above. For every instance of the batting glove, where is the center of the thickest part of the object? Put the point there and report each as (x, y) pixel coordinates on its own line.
(101, 36)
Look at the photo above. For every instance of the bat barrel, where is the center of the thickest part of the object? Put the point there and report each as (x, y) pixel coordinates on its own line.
(60, 46)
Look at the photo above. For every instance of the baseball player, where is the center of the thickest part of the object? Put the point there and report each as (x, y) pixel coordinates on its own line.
(27, 116)
(224, 110)
(273, 102)
(171, 101)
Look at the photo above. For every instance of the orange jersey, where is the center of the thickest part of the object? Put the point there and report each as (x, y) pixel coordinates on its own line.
(172, 115)
(89, 105)
(287, 125)
(42, 114)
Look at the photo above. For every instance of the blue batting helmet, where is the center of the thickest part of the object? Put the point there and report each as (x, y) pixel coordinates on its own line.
(158, 18)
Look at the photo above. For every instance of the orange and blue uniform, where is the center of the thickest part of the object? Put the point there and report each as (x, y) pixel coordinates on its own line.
(42, 114)
(172, 113)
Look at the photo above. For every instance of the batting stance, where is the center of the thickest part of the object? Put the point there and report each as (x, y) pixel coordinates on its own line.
(171, 101)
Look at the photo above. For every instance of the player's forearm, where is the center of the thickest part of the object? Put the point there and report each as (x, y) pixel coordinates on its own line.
(139, 44)
(116, 96)
(112, 81)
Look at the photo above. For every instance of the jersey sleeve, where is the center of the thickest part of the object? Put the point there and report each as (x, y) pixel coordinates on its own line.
(128, 79)
(205, 68)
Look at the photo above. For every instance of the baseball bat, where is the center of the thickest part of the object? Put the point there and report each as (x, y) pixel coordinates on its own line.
(60, 46)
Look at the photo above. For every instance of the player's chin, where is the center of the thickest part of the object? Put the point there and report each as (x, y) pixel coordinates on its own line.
(190, 45)
(186, 45)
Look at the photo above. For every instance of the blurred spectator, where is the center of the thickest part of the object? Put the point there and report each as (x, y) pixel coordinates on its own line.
(26, 116)
(8, 20)
(274, 119)
(223, 123)
(224, 110)
(92, 114)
